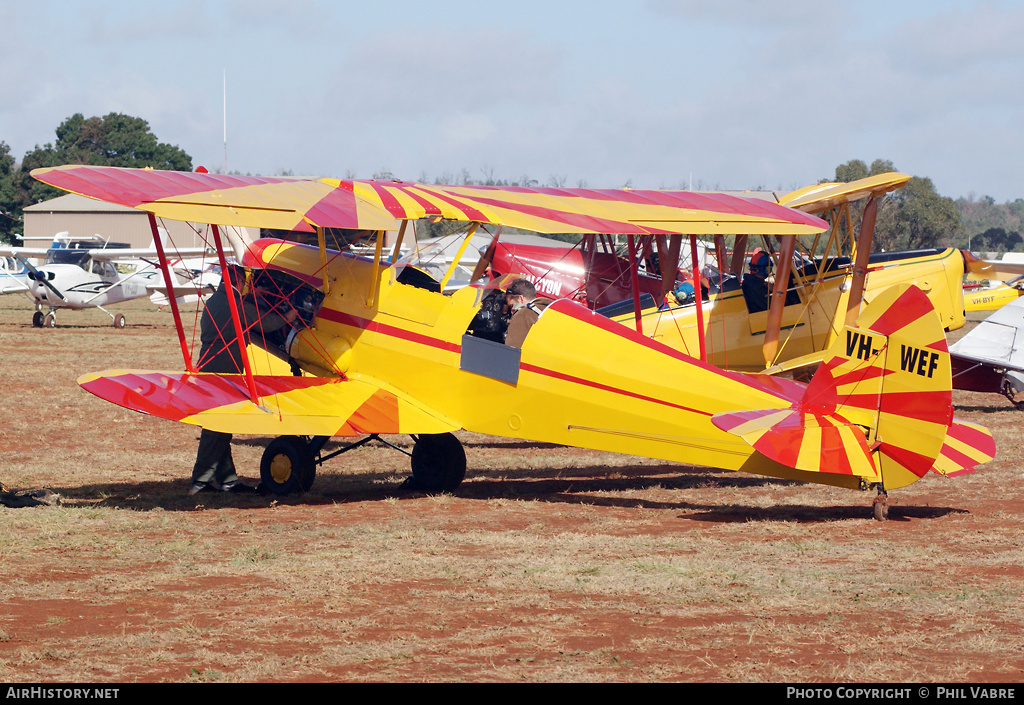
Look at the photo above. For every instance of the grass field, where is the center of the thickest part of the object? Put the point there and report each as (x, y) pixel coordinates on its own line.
(548, 564)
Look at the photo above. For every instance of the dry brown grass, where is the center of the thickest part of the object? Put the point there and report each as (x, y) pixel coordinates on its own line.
(549, 564)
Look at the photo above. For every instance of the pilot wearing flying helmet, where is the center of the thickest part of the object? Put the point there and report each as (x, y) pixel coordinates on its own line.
(755, 284)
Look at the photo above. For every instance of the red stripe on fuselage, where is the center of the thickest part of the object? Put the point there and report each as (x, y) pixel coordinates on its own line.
(607, 388)
(376, 326)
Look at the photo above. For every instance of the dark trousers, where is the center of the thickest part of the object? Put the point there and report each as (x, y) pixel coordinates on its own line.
(213, 460)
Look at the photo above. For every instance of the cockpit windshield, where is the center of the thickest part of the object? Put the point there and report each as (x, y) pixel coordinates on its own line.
(63, 256)
(434, 257)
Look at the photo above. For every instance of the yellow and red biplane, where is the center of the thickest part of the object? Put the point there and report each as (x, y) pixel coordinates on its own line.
(383, 351)
(820, 282)
(992, 298)
(1006, 283)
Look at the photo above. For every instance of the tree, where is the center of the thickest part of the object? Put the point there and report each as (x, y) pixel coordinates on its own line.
(916, 217)
(913, 217)
(856, 169)
(9, 202)
(113, 140)
(851, 171)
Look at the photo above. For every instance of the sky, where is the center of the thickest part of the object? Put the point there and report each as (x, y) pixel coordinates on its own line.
(645, 93)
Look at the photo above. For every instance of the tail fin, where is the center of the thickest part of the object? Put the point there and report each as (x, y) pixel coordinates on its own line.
(902, 392)
(880, 405)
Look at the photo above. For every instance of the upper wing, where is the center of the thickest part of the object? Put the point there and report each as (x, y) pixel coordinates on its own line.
(296, 204)
(823, 197)
(9, 251)
(581, 211)
(303, 406)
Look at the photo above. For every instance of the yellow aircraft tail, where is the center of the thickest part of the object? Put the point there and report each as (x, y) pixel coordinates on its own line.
(879, 407)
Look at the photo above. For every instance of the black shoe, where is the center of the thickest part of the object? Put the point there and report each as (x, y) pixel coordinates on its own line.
(237, 487)
(198, 487)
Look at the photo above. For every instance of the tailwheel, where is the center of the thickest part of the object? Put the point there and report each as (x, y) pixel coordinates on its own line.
(438, 463)
(287, 466)
(37, 319)
(119, 321)
(881, 505)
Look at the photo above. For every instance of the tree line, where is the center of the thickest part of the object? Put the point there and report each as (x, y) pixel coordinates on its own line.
(913, 217)
(112, 140)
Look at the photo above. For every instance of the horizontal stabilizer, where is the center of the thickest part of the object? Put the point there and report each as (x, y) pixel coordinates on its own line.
(805, 441)
(303, 406)
(966, 446)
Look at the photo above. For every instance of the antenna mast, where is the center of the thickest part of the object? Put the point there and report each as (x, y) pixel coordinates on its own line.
(225, 121)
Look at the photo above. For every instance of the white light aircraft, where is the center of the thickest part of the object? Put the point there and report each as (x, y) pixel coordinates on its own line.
(80, 273)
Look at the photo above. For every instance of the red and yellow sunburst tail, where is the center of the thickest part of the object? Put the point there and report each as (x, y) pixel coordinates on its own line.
(880, 406)
(890, 373)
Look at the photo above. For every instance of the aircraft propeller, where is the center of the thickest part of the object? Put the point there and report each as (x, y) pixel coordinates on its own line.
(485, 260)
(39, 276)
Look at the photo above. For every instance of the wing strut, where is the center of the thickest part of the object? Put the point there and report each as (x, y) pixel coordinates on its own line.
(395, 253)
(458, 256)
(250, 383)
(321, 243)
(699, 298)
(634, 281)
(171, 298)
(860, 268)
(739, 251)
(779, 291)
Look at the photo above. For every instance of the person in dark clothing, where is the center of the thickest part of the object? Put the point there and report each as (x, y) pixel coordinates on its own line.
(214, 468)
(755, 284)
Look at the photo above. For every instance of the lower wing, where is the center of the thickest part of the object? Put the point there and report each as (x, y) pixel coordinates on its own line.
(302, 406)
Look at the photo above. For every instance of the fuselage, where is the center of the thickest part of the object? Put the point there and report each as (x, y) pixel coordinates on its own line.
(580, 379)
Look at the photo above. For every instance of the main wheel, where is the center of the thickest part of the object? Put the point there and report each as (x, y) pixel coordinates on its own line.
(438, 463)
(881, 511)
(50, 320)
(37, 319)
(119, 321)
(287, 466)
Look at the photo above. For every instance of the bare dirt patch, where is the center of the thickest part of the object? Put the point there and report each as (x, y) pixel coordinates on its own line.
(548, 564)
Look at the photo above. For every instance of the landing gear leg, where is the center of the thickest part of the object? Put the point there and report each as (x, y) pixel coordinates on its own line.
(881, 504)
(118, 319)
(1010, 393)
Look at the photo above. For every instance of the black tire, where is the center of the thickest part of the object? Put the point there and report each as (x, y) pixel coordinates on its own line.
(438, 463)
(37, 319)
(287, 466)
